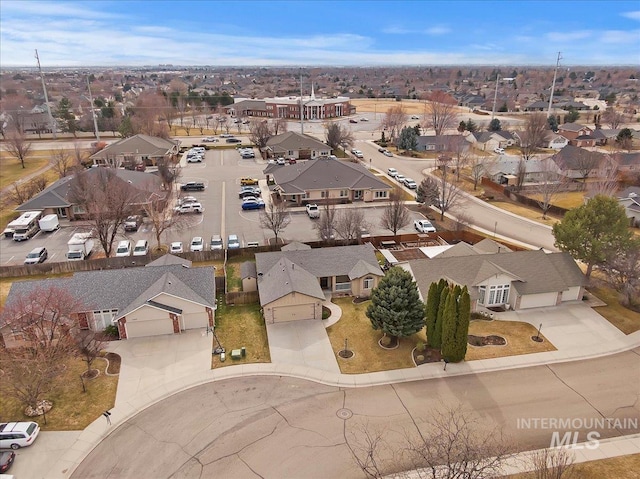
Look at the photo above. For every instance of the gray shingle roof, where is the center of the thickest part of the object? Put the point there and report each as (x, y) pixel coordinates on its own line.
(168, 259)
(571, 157)
(129, 288)
(325, 173)
(295, 141)
(283, 278)
(295, 245)
(533, 271)
(575, 127)
(248, 270)
(138, 144)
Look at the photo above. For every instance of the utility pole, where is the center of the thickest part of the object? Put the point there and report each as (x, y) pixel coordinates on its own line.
(553, 85)
(495, 98)
(301, 107)
(52, 122)
(93, 112)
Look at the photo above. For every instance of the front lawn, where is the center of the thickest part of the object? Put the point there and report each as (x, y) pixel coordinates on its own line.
(363, 341)
(238, 326)
(624, 319)
(517, 334)
(620, 467)
(72, 409)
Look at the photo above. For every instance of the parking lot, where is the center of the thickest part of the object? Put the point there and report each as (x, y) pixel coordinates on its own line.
(220, 171)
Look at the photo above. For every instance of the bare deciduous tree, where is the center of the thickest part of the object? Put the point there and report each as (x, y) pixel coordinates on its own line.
(326, 224)
(44, 319)
(548, 186)
(107, 201)
(393, 121)
(533, 135)
(89, 344)
(395, 215)
(18, 146)
(458, 149)
(350, 223)
(62, 162)
(613, 118)
(478, 167)
(605, 185)
(338, 136)
(279, 125)
(276, 218)
(622, 268)
(440, 112)
(20, 192)
(554, 463)
(148, 110)
(586, 161)
(449, 193)
(161, 216)
(259, 133)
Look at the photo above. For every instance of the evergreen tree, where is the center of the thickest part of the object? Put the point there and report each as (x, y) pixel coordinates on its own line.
(462, 126)
(449, 327)
(462, 331)
(408, 140)
(126, 127)
(437, 331)
(431, 311)
(395, 306)
(471, 126)
(494, 125)
(65, 116)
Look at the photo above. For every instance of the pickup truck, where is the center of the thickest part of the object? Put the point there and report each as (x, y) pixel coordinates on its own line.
(313, 211)
(192, 186)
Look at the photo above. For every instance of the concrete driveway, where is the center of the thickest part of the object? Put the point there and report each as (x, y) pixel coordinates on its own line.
(153, 361)
(303, 343)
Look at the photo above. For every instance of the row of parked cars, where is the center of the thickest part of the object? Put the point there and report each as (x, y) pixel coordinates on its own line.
(14, 435)
(196, 154)
(198, 244)
(400, 178)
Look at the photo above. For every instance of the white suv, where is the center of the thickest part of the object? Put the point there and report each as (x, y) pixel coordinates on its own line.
(197, 244)
(15, 435)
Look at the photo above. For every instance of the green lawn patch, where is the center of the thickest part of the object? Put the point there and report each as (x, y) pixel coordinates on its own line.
(11, 169)
(73, 410)
(241, 326)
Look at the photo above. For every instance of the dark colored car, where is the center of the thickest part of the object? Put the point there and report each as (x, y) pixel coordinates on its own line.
(192, 186)
(6, 459)
(234, 140)
(248, 193)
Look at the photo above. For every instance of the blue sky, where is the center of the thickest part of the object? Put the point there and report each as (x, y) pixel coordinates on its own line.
(302, 33)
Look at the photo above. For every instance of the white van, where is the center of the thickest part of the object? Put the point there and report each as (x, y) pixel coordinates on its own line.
(141, 248)
(124, 248)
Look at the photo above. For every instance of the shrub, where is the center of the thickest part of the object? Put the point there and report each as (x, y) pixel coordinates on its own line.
(420, 346)
(385, 341)
(419, 358)
(112, 331)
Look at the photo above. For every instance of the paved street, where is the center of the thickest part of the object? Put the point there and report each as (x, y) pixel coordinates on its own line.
(283, 427)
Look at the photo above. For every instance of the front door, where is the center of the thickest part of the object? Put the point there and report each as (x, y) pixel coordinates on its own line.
(357, 195)
(61, 212)
(325, 283)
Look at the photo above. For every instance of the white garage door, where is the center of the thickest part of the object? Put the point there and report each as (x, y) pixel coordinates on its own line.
(155, 327)
(292, 313)
(195, 320)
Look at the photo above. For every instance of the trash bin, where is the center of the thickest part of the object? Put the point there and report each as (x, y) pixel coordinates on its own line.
(243, 351)
(223, 357)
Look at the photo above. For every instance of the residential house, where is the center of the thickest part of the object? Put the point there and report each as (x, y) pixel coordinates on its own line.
(554, 141)
(627, 162)
(577, 163)
(512, 280)
(166, 296)
(327, 180)
(629, 199)
(490, 140)
(57, 197)
(604, 136)
(137, 150)
(577, 134)
(295, 145)
(443, 143)
(292, 282)
(504, 170)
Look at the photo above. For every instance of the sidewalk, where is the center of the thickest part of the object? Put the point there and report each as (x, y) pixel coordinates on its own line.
(576, 330)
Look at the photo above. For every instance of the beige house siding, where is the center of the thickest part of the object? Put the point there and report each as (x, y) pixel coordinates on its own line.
(249, 284)
(292, 299)
(358, 289)
(148, 321)
(194, 315)
(573, 293)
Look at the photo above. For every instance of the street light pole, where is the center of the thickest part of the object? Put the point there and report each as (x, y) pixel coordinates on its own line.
(93, 112)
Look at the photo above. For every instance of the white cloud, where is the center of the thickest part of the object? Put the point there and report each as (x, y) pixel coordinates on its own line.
(620, 36)
(53, 9)
(632, 15)
(568, 36)
(398, 30)
(437, 30)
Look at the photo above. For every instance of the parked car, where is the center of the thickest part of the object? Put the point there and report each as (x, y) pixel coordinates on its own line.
(424, 226)
(15, 435)
(410, 183)
(124, 248)
(6, 459)
(216, 243)
(248, 181)
(353, 121)
(226, 135)
(187, 199)
(132, 223)
(357, 153)
(254, 189)
(141, 248)
(292, 161)
(193, 186)
(415, 117)
(234, 140)
(313, 211)
(194, 159)
(233, 242)
(399, 178)
(381, 150)
(387, 153)
(281, 161)
(197, 244)
(37, 255)
(190, 208)
(209, 139)
(176, 247)
(248, 194)
(500, 151)
(252, 204)
(392, 172)
(364, 119)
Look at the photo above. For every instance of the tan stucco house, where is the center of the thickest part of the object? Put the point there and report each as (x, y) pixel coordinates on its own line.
(293, 283)
(138, 149)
